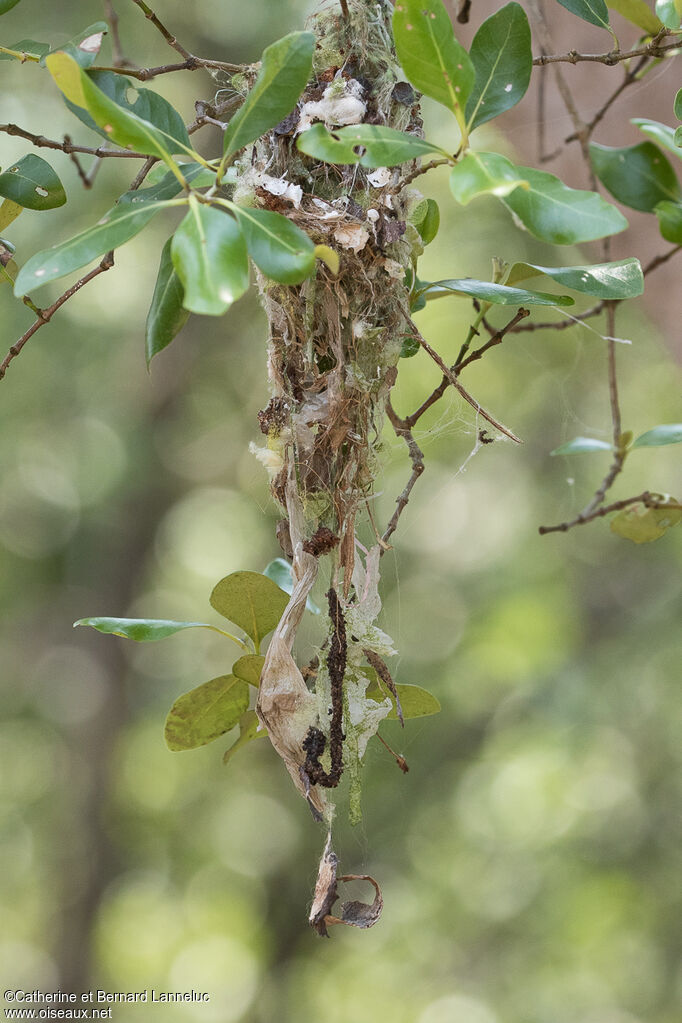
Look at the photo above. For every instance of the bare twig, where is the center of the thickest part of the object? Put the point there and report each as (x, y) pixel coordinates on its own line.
(40, 142)
(496, 339)
(170, 39)
(190, 64)
(423, 170)
(78, 165)
(645, 498)
(660, 260)
(116, 49)
(417, 458)
(652, 49)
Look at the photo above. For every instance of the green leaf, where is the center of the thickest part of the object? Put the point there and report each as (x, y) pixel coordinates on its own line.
(7, 5)
(642, 525)
(669, 433)
(205, 713)
(27, 46)
(602, 280)
(248, 730)
(668, 13)
(670, 221)
(9, 211)
(555, 213)
(484, 174)
(142, 630)
(637, 13)
(121, 126)
(594, 11)
(280, 249)
(142, 103)
(84, 47)
(581, 445)
(415, 701)
(209, 255)
(329, 257)
(661, 133)
(379, 146)
(432, 59)
(166, 316)
(251, 601)
(678, 105)
(33, 184)
(284, 74)
(117, 226)
(428, 220)
(280, 572)
(249, 668)
(503, 62)
(638, 176)
(497, 294)
(410, 345)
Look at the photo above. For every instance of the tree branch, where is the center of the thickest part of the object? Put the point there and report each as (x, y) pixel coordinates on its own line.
(652, 49)
(190, 64)
(417, 458)
(40, 142)
(645, 498)
(170, 39)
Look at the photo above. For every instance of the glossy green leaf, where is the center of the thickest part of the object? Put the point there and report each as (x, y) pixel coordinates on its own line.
(594, 11)
(661, 133)
(209, 254)
(167, 315)
(285, 70)
(27, 46)
(555, 213)
(503, 61)
(205, 713)
(668, 13)
(670, 221)
(581, 445)
(410, 345)
(9, 211)
(251, 601)
(428, 220)
(415, 701)
(638, 176)
(637, 12)
(622, 279)
(496, 294)
(121, 126)
(479, 174)
(117, 226)
(7, 5)
(678, 105)
(33, 184)
(378, 146)
(248, 730)
(432, 59)
(281, 573)
(142, 630)
(669, 433)
(276, 245)
(143, 103)
(249, 668)
(643, 525)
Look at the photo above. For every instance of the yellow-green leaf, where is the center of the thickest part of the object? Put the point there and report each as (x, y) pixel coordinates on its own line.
(251, 601)
(205, 713)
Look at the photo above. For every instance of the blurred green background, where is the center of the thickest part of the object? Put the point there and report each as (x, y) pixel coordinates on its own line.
(530, 859)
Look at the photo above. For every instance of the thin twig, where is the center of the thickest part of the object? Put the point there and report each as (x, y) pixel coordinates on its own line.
(190, 64)
(645, 498)
(40, 142)
(116, 49)
(660, 260)
(170, 39)
(78, 165)
(417, 459)
(423, 170)
(652, 49)
(496, 339)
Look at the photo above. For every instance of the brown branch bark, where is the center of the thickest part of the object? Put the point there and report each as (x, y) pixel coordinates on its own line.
(652, 49)
(645, 498)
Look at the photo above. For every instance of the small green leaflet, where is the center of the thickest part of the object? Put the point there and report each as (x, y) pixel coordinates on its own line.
(84, 47)
(379, 146)
(426, 218)
(670, 221)
(496, 294)
(622, 279)
(29, 47)
(667, 11)
(479, 174)
(638, 176)
(31, 183)
(661, 133)
(248, 730)
(638, 13)
(117, 226)
(251, 601)
(281, 573)
(678, 105)
(277, 246)
(642, 525)
(555, 213)
(594, 11)
(433, 60)
(503, 62)
(166, 316)
(581, 445)
(284, 74)
(142, 630)
(205, 713)
(7, 5)
(415, 701)
(669, 433)
(209, 254)
(249, 669)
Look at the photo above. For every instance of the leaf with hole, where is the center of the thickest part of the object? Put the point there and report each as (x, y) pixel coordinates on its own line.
(84, 47)
(370, 145)
(432, 59)
(248, 730)
(582, 445)
(643, 525)
(555, 213)
(31, 183)
(670, 221)
(415, 701)
(281, 573)
(503, 62)
(496, 294)
(205, 713)
(285, 70)
(622, 279)
(479, 174)
(277, 246)
(668, 433)
(167, 315)
(209, 254)
(639, 176)
(250, 600)
(637, 13)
